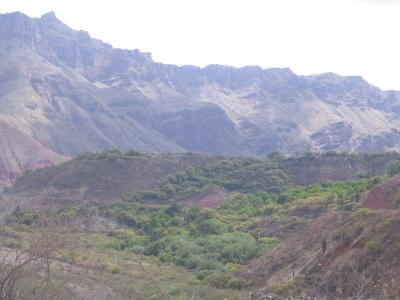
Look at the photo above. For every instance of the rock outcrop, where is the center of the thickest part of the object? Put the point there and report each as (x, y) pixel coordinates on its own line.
(72, 93)
(19, 152)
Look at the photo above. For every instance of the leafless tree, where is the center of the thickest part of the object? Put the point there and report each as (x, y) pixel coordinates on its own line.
(32, 261)
(358, 280)
(160, 293)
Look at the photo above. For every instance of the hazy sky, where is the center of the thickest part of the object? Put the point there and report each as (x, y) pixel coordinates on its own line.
(349, 37)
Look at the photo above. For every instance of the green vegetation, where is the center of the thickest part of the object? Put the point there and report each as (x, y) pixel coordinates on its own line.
(209, 242)
(344, 190)
(115, 153)
(210, 246)
(241, 175)
(394, 167)
(201, 240)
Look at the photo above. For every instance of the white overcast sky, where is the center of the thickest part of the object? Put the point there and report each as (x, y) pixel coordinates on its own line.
(348, 37)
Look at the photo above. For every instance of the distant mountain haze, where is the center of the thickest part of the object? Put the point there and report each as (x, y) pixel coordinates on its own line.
(63, 93)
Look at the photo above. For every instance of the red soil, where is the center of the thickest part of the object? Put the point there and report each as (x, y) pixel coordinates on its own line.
(20, 152)
(330, 258)
(376, 199)
(208, 199)
(42, 164)
(385, 195)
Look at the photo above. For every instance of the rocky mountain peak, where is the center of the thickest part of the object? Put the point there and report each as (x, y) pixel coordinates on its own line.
(18, 25)
(73, 93)
(50, 16)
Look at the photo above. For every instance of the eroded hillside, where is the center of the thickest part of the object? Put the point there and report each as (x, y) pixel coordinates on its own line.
(359, 258)
(216, 227)
(107, 176)
(19, 153)
(101, 177)
(72, 93)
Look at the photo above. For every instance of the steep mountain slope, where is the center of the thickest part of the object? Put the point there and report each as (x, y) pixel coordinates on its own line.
(63, 109)
(73, 93)
(359, 259)
(19, 152)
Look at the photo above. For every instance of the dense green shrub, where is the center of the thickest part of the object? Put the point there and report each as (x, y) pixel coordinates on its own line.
(243, 175)
(167, 244)
(341, 189)
(193, 214)
(219, 280)
(394, 167)
(208, 253)
(237, 247)
(248, 204)
(210, 226)
(237, 283)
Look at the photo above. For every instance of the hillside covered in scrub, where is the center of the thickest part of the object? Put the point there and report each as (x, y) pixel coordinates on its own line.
(128, 177)
(179, 225)
(107, 176)
(104, 176)
(343, 252)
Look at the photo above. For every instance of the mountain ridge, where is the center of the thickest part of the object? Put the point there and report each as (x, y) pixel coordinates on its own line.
(72, 93)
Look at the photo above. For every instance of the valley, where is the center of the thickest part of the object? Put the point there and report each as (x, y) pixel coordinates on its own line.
(122, 177)
(215, 227)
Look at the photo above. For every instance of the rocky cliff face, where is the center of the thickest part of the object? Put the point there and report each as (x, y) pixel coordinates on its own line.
(72, 93)
(19, 152)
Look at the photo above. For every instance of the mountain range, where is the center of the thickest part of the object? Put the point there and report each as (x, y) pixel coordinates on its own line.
(63, 93)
